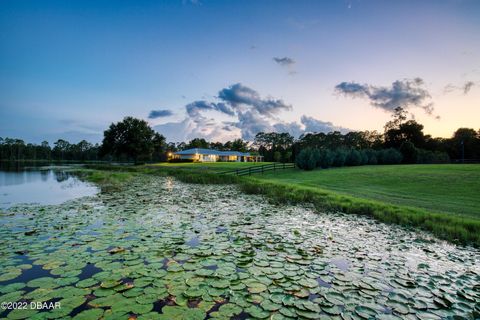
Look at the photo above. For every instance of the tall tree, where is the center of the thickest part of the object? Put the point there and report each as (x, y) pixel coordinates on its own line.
(130, 139)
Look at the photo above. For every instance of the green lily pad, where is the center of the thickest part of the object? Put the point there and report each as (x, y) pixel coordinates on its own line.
(91, 314)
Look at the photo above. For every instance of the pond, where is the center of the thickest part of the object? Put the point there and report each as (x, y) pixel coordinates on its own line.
(41, 185)
(161, 249)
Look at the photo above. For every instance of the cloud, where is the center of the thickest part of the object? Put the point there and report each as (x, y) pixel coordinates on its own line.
(405, 93)
(293, 128)
(250, 112)
(239, 95)
(194, 108)
(314, 125)
(154, 114)
(251, 123)
(285, 61)
(467, 86)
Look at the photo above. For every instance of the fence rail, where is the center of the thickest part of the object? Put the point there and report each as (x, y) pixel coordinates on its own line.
(260, 169)
(465, 161)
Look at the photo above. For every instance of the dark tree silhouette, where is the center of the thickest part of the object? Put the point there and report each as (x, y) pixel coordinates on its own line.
(130, 139)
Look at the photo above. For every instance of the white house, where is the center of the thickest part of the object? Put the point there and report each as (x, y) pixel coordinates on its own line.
(210, 155)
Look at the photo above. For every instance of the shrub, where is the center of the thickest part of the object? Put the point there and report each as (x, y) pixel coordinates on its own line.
(306, 159)
(427, 156)
(287, 156)
(364, 157)
(179, 160)
(316, 156)
(340, 157)
(372, 156)
(353, 158)
(326, 158)
(409, 152)
(277, 156)
(389, 156)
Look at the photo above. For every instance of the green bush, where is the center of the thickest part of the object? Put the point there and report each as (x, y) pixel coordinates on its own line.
(427, 156)
(353, 158)
(306, 159)
(389, 156)
(372, 156)
(277, 156)
(340, 157)
(364, 156)
(326, 158)
(409, 152)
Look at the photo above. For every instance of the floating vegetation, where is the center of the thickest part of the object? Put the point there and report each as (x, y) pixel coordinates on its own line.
(161, 249)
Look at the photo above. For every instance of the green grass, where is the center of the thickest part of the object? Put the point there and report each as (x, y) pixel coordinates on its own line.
(108, 179)
(207, 166)
(451, 189)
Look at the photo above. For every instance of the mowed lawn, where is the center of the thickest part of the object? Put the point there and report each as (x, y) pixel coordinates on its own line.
(446, 188)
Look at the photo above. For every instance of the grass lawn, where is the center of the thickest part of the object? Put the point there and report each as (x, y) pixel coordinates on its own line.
(445, 188)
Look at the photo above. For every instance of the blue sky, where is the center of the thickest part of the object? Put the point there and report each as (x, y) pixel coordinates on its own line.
(70, 68)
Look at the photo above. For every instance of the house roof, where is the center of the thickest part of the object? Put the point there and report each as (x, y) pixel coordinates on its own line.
(211, 152)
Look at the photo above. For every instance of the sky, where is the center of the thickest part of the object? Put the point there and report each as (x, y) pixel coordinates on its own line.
(228, 69)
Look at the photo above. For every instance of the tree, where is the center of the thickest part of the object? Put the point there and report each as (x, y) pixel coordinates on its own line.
(269, 143)
(354, 158)
(159, 147)
(465, 142)
(130, 139)
(409, 152)
(61, 149)
(306, 159)
(239, 145)
(277, 156)
(198, 143)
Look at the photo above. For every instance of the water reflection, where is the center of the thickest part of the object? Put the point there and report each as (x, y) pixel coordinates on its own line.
(43, 186)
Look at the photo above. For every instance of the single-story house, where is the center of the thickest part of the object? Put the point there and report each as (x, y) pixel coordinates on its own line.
(210, 155)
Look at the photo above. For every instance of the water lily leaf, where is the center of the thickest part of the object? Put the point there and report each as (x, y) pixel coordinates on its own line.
(107, 301)
(204, 272)
(108, 284)
(257, 312)
(308, 314)
(12, 287)
(147, 298)
(182, 313)
(229, 310)
(21, 313)
(256, 287)
(194, 292)
(269, 305)
(90, 282)
(66, 281)
(44, 283)
(91, 314)
(309, 283)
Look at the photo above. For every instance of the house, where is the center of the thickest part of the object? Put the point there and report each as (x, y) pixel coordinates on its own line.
(210, 155)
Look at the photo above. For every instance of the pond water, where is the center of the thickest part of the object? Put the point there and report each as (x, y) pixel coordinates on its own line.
(161, 249)
(41, 185)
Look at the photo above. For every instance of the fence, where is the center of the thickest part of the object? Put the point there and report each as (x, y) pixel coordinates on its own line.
(260, 169)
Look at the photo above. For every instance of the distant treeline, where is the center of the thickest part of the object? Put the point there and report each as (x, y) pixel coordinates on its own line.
(17, 149)
(402, 141)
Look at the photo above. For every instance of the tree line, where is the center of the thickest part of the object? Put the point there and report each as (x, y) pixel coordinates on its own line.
(62, 150)
(133, 140)
(403, 141)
